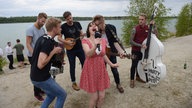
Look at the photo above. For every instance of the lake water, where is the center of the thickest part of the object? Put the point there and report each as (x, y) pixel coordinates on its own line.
(11, 32)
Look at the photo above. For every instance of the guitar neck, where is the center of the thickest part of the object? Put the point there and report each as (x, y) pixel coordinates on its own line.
(75, 39)
(109, 53)
(146, 54)
(113, 54)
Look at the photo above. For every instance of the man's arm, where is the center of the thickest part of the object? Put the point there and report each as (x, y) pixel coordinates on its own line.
(28, 44)
(120, 50)
(23, 47)
(82, 34)
(44, 58)
(59, 37)
(132, 42)
(155, 31)
(79, 27)
(118, 47)
(14, 47)
(68, 42)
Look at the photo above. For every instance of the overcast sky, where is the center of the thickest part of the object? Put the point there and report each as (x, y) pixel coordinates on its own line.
(89, 8)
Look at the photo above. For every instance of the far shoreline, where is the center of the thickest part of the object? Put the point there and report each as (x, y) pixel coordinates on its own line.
(28, 19)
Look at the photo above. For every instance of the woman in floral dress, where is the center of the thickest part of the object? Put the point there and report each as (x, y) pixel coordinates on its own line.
(94, 77)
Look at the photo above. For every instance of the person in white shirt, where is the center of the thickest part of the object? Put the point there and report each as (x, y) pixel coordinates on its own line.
(9, 53)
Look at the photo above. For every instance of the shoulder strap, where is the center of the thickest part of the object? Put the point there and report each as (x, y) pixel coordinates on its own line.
(113, 33)
(43, 41)
(47, 37)
(111, 30)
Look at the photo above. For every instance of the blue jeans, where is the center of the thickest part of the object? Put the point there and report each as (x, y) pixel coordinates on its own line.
(72, 54)
(52, 90)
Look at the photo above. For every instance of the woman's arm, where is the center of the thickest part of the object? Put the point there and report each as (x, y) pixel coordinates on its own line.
(89, 51)
(109, 62)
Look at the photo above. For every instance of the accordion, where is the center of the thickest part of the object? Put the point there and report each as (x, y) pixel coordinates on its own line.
(57, 62)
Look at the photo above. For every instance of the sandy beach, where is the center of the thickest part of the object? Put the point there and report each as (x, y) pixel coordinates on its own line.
(174, 91)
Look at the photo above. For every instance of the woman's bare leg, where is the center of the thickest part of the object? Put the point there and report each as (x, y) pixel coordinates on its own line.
(101, 98)
(93, 99)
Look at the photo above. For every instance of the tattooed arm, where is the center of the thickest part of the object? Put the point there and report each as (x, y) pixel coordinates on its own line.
(132, 42)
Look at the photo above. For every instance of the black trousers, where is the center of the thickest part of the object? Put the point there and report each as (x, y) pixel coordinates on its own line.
(10, 57)
(72, 54)
(115, 72)
(138, 55)
(37, 90)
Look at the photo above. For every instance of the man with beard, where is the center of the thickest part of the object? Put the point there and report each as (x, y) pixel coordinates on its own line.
(32, 34)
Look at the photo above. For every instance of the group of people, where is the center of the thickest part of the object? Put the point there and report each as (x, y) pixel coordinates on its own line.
(9, 53)
(88, 47)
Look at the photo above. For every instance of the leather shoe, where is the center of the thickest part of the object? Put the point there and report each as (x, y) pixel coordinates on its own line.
(40, 98)
(132, 83)
(120, 88)
(140, 80)
(12, 68)
(75, 87)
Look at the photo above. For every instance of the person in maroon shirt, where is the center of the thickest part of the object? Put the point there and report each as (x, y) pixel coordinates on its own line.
(138, 35)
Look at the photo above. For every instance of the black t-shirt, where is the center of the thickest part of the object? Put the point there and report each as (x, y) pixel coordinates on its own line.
(44, 44)
(111, 38)
(72, 32)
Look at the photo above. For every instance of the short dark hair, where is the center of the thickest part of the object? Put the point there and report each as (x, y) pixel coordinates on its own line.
(42, 15)
(66, 14)
(18, 40)
(8, 43)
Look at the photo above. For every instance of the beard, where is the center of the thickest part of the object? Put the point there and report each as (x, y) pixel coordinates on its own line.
(40, 25)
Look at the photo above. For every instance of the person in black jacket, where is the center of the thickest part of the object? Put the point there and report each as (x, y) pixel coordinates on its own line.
(108, 31)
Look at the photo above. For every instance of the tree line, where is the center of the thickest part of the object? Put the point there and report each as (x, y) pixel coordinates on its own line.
(184, 23)
(24, 19)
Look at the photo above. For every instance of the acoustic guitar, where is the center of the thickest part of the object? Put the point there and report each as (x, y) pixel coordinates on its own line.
(109, 53)
(73, 40)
